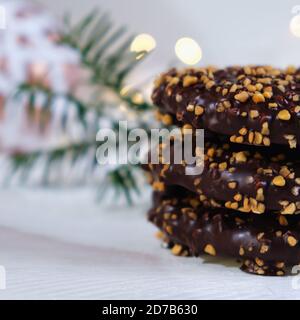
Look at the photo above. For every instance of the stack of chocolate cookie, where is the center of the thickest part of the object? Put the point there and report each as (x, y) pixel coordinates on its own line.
(246, 202)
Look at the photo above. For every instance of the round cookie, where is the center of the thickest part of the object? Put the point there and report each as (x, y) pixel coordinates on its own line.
(257, 105)
(238, 178)
(266, 245)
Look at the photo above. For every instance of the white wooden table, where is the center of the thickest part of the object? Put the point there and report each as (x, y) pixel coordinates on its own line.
(61, 244)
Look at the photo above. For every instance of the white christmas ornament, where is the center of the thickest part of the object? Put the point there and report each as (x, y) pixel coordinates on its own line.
(30, 52)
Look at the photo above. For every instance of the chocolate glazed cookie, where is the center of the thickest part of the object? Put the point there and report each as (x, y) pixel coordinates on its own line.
(266, 245)
(239, 179)
(251, 105)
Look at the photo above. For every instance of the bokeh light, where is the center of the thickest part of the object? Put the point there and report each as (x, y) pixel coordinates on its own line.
(143, 42)
(137, 98)
(125, 90)
(188, 51)
(295, 26)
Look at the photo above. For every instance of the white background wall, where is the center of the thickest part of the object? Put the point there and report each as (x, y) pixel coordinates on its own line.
(229, 32)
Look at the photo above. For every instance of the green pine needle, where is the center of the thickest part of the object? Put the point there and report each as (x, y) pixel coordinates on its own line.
(105, 52)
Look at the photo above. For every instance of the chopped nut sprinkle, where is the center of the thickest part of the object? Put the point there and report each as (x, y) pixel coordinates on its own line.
(258, 97)
(240, 156)
(292, 241)
(189, 80)
(237, 197)
(289, 209)
(264, 248)
(178, 98)
(167, 119)
(279, 181)
(259, 262)
(243, 131)
(273, 105)
(223, 166)
(232, 185)
(176, 250)
(243, 96)
(284, 115)
(280, 265)
(199, 110)
(210, 250)
(190, 108)
(260, 236)
(283, 221)
(158, 186)
(253, 114)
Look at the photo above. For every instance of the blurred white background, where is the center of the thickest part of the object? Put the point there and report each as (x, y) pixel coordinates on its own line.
(229, 32)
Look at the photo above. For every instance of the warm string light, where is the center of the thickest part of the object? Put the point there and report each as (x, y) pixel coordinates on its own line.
(295, 26)
(143, 43)
(137, 98)
(188, 51)
(295, 21)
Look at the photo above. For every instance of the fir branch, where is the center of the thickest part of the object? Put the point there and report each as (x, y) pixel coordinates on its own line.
(124, 182)
(108, 61)
(32, 90)
(24, 161)
(104, 52)
(122, 178)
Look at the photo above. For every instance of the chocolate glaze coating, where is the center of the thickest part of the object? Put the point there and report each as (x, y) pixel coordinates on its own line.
(239, 178)
(264, 244)
(262, 101)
